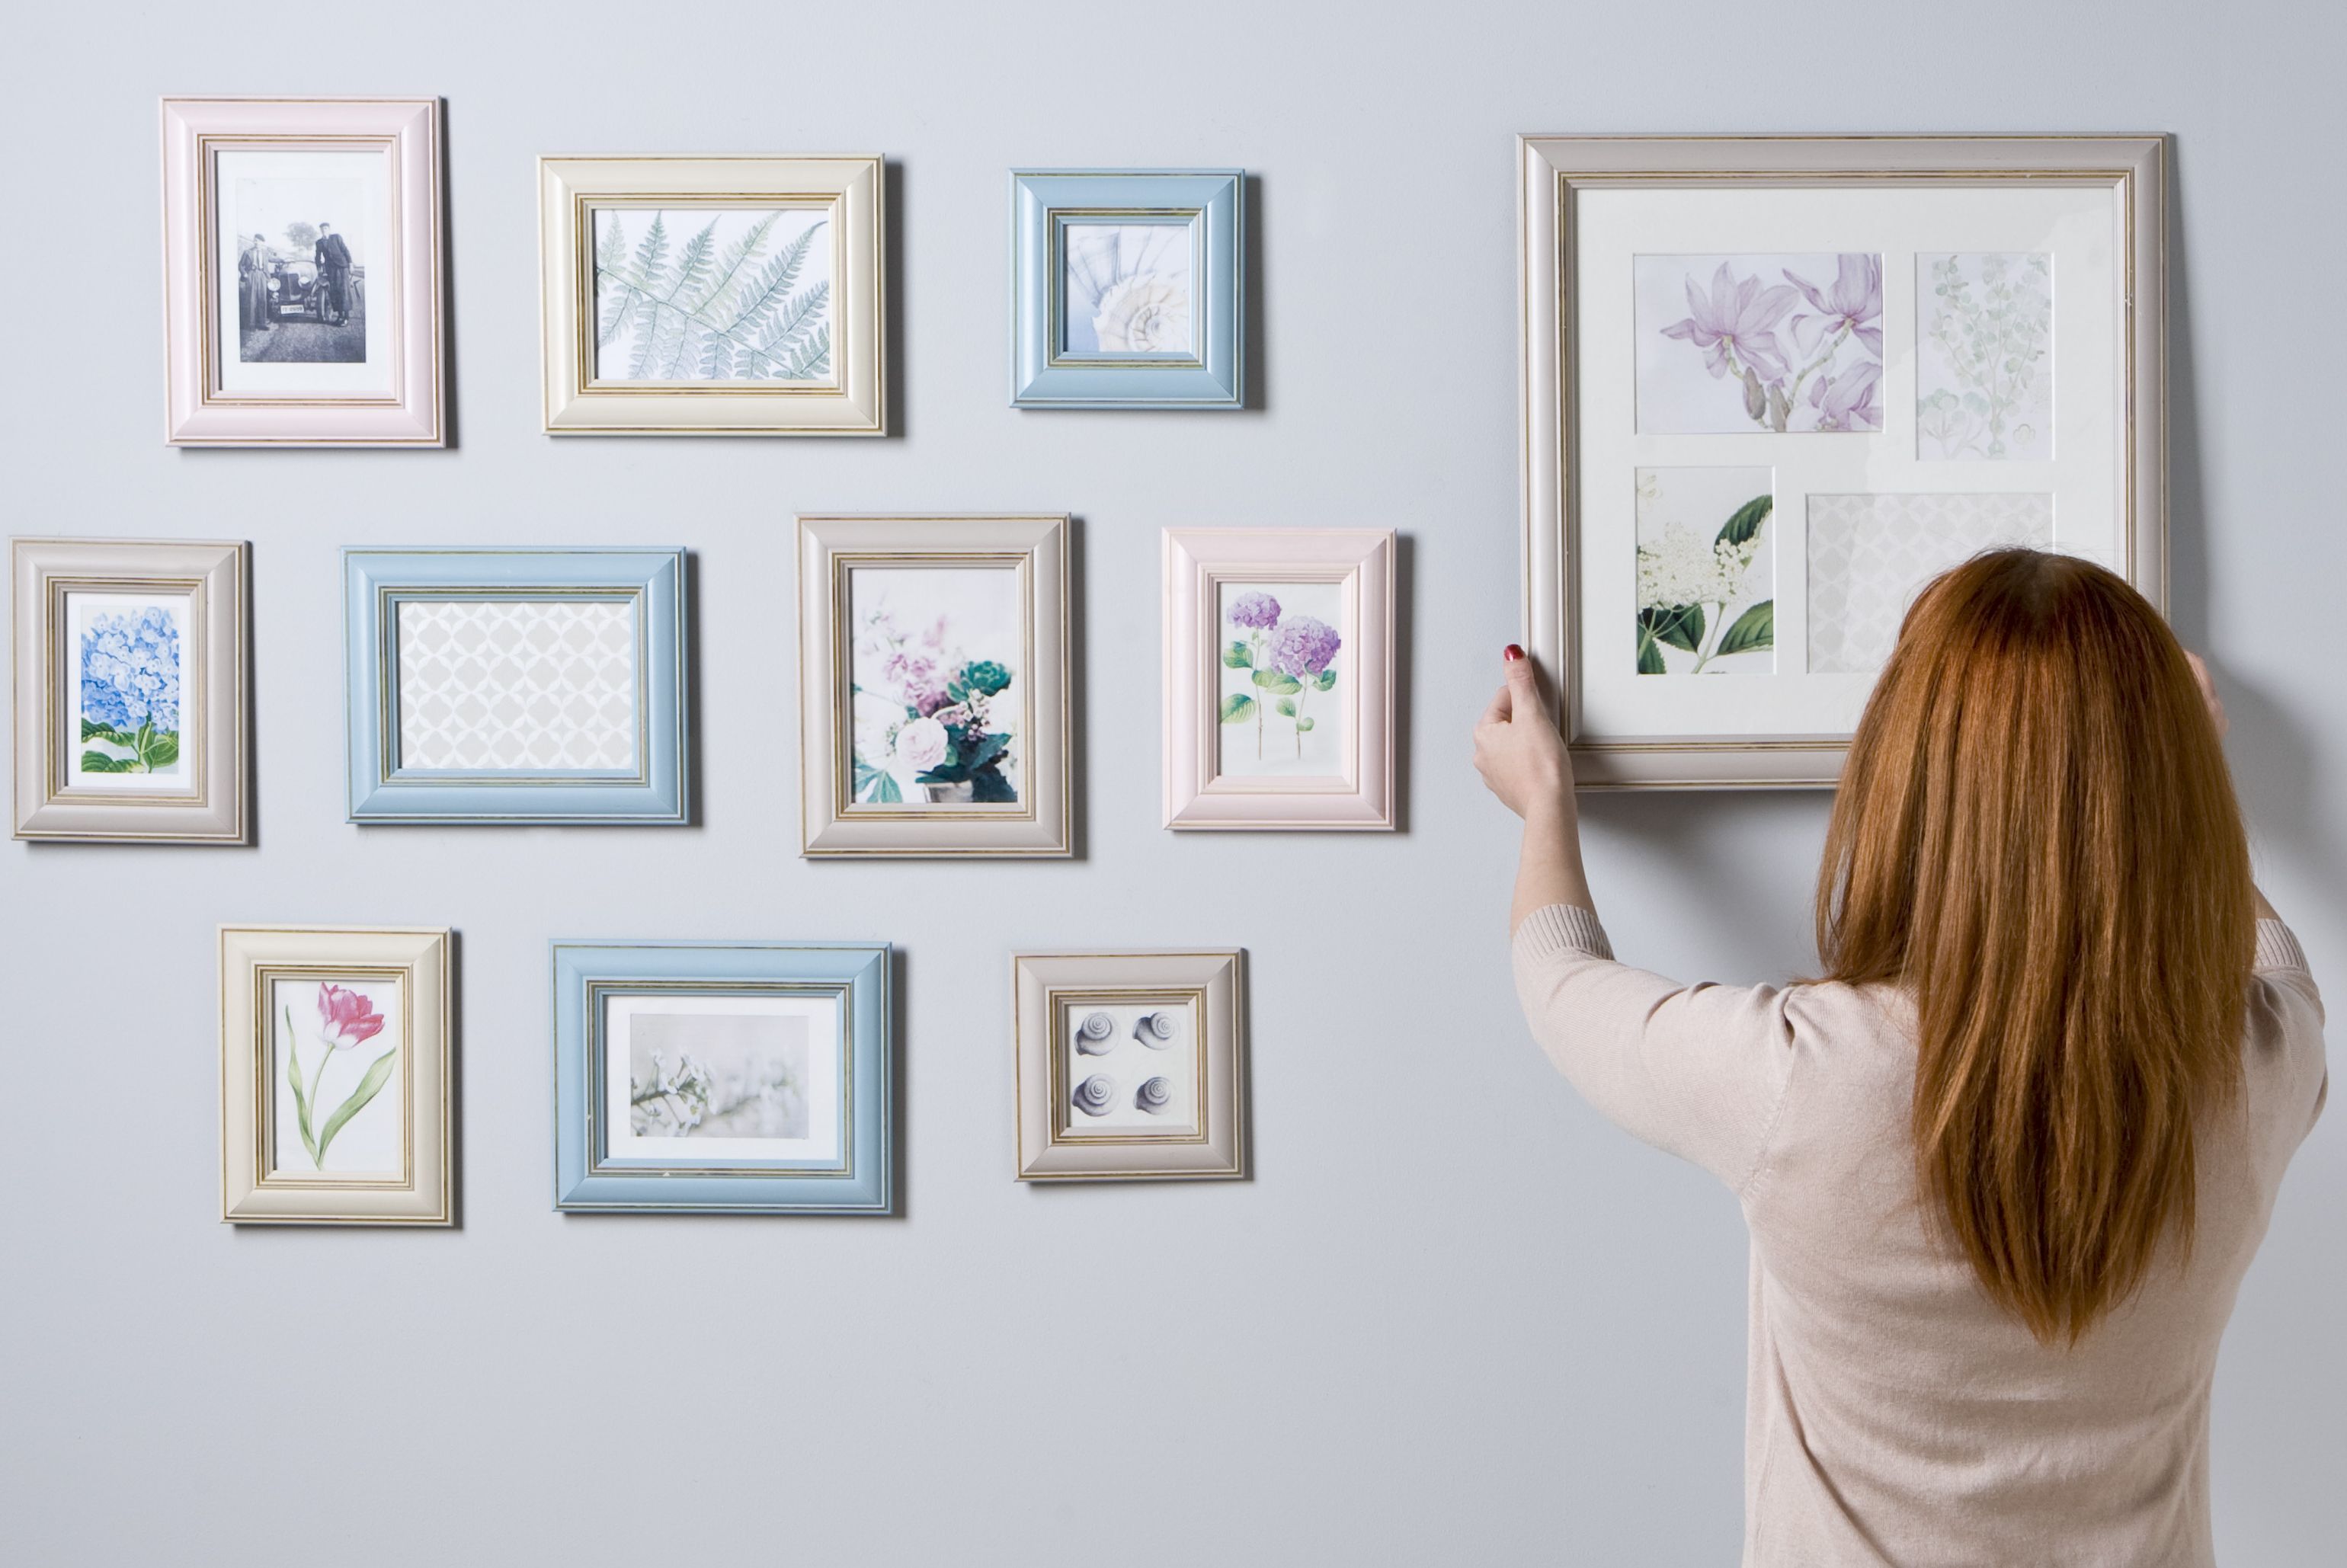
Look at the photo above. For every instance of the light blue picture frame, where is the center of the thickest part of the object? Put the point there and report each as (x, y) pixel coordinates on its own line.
(590, 1179)
(1045, 371)
(651, 790)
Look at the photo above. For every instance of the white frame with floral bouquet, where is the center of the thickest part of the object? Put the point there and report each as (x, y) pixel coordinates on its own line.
(1284, 670)
(847, 809)
(407, 409)
(1629, 298)
(354, 969)
(212, 704)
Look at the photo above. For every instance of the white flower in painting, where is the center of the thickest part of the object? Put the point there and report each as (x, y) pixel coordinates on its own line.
(876, 719)
(921, 745)
(1145, 314)
(1677, 569)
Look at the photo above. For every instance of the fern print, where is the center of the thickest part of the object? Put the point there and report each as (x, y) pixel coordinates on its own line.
(744, 296)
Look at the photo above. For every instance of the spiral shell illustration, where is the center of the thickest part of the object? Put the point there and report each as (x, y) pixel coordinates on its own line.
(1154, 1029)
(1096, 1095)
(1156, 1096)
(1094, 1036)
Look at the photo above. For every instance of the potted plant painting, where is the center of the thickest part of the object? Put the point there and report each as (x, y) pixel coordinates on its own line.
(930, 722)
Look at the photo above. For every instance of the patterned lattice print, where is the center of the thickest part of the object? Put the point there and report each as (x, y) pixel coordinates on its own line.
(1870, 555)
(516, 684)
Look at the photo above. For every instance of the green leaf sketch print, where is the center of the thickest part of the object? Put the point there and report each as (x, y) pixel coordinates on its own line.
(710, 312)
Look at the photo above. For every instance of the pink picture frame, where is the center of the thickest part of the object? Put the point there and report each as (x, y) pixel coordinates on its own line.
(1279, 680)
(360, 363)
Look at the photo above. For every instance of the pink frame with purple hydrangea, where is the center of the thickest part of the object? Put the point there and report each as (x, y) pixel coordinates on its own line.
(1361, 795)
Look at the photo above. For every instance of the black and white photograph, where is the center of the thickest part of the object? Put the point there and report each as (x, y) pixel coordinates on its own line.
(300, 271)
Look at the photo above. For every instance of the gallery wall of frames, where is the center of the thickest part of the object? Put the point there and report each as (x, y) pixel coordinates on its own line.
(1768, 386)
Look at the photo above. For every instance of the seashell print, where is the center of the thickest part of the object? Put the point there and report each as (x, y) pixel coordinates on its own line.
(1155, 1096)
(1156, 1030)
(1095, 1035)
(1095, 1095)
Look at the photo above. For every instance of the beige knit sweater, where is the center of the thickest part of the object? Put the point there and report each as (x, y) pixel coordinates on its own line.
(1891, 1414)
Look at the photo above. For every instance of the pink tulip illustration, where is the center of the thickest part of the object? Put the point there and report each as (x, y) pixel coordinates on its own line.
(346, 1019)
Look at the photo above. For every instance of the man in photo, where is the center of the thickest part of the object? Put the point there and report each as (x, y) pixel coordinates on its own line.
(334, 259)
(252, 286)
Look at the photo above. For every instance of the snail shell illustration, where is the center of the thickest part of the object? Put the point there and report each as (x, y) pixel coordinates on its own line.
(1155, 1096)
(1095, 1095)
(1093, 1035)
(1154, 1029)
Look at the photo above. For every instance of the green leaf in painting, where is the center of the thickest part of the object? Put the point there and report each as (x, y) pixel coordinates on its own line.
(885, 791)
(1681, 628)
(1285, 706)
(1323, 680)
(1746, 520)
(368, 1086)
(300, 1100)
(1752, 632)
(1650, 655)
(99, 762)
(1278, 681)
(1303, 726)
(162, 751)
(1234, 657)
(1236, 706)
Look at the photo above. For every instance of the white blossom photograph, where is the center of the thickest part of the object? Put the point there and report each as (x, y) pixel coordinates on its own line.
(704, 1076)
(1707, 572)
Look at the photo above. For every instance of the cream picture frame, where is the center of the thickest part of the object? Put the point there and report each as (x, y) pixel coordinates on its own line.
(405, 969)
(1196, 1058)
(207, 803)
(740, 285)
(1594, 209)
(846, 808)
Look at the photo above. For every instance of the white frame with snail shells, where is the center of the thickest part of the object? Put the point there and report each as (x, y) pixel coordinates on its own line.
(1131, 1065)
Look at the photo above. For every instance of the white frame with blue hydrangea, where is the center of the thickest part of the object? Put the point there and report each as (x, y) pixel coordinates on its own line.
(204, 692)
(1210, 203)
(651, 791)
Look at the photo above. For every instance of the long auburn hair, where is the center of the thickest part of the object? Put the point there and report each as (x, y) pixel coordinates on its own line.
(2036, 836)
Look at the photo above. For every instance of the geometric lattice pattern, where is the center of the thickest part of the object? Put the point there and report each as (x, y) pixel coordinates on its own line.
(1871, 555)
(524, 684)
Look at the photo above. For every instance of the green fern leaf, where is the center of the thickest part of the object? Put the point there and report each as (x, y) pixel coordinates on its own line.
(813, 359)
(726, 287)
(798, 318)
(771, 286)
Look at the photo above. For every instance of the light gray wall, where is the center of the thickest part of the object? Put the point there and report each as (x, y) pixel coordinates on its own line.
(1455, 1319)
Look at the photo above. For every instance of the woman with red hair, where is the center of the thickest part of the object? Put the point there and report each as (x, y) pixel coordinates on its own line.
(2006, 1161)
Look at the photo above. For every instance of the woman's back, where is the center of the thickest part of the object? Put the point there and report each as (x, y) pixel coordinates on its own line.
(1895, 1413)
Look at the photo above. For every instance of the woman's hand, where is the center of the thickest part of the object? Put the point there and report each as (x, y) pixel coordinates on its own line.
(1518, 750)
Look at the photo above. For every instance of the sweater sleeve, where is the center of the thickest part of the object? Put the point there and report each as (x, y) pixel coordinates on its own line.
(1699, 1071)
(2286, 1012)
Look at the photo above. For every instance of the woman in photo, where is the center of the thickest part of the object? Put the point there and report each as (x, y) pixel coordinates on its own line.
(2006, 1160)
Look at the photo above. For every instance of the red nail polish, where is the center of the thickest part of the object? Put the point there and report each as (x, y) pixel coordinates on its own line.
(1512, 653)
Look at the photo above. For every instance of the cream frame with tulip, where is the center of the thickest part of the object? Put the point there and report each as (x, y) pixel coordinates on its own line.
(299, 1004)
(1235, 655)
(941, 731)
(1170, 1049)
(1772, 384)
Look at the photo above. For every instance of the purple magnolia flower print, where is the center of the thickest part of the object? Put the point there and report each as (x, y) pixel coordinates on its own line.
(1257, 611)
(1847, 401)
(1302, 646)
(1738, 322)
(1854, 304)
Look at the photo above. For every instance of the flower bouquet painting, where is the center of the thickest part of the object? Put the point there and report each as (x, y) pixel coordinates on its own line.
(1707, 578)
(339, 1047)
(129, 701)
(936, 703)
(1128, 289)
(1279, 712)
(1775, 344)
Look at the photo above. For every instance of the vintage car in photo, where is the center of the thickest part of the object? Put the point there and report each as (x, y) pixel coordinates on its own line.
(297, 291)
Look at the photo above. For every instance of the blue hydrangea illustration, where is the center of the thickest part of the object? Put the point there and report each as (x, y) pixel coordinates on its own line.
(130, 671)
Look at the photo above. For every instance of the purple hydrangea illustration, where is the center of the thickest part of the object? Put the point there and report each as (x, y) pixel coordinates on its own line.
(1303, 645)
(1258, 611)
